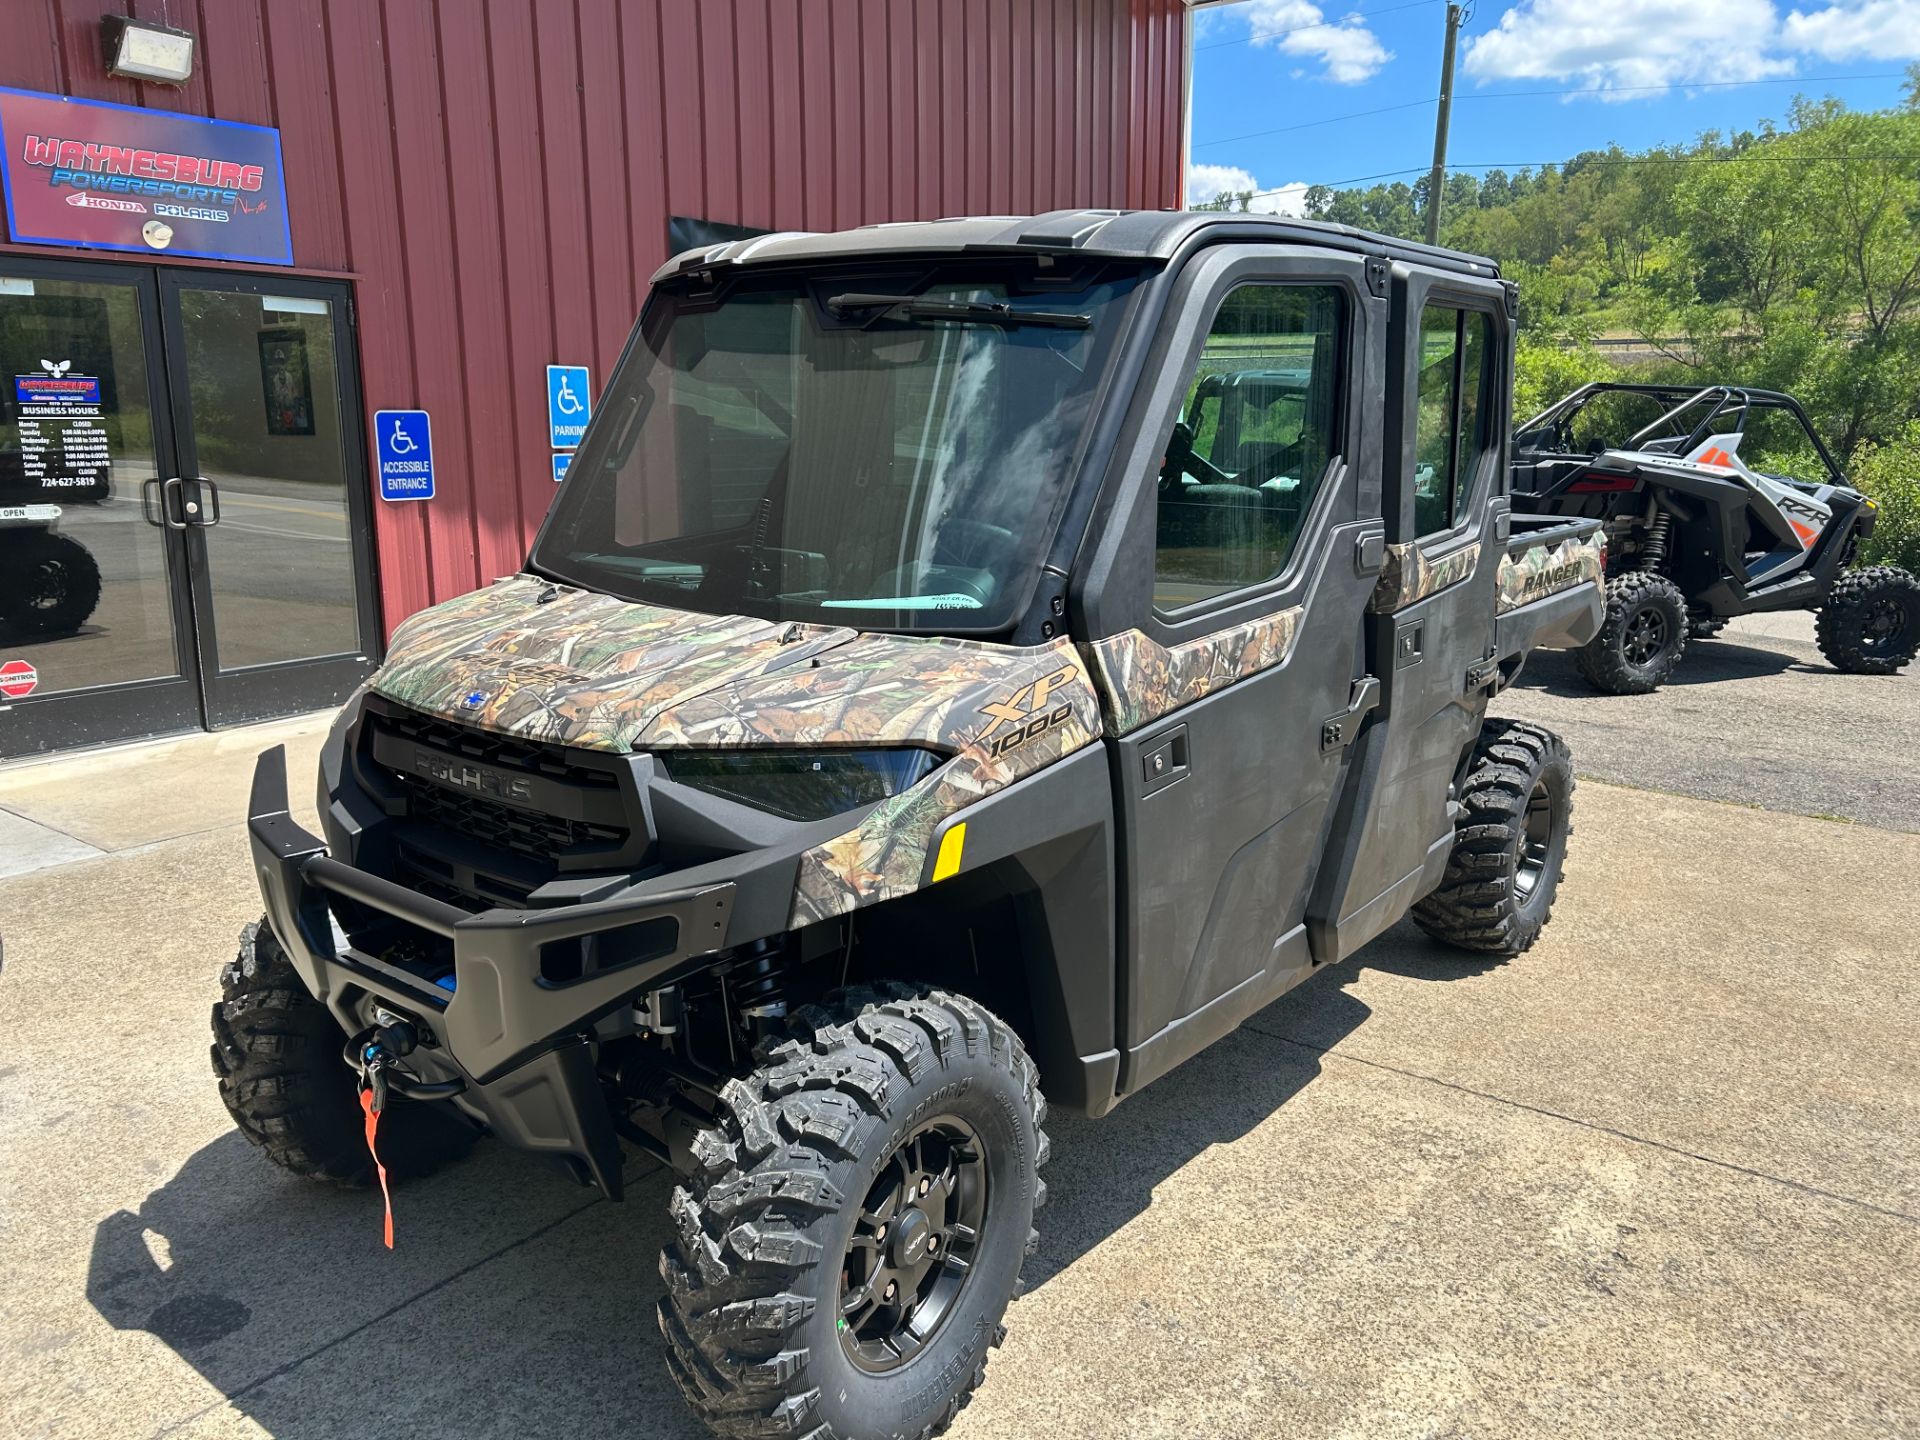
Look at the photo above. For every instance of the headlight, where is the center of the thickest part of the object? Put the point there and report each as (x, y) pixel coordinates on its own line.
(802, 784)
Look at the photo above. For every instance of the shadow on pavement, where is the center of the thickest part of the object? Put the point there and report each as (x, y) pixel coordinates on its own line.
(1706, 662)
(519, 1302)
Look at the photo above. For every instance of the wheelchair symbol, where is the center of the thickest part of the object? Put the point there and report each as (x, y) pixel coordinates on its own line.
(564, 400)
(400, 443)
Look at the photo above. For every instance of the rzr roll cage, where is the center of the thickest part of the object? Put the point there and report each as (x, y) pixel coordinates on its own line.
(1552, 428)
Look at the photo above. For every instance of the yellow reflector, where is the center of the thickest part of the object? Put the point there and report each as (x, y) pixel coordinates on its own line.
(951, 845)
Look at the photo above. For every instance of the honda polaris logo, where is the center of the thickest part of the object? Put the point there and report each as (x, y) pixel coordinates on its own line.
(477, 778)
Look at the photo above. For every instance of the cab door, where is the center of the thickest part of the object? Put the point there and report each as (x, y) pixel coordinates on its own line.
(1229, 593)
(1429, 626)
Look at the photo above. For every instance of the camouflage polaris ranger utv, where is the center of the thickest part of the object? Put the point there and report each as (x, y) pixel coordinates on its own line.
(916, 701)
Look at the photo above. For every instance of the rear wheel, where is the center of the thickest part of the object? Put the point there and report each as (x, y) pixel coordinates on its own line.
(276, 1053)
(1509, 843)
(48, 584)
(1642, 637)
(841, 1265)
(1870, 623)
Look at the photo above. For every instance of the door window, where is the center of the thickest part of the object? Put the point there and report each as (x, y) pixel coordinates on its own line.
(1451, 429)
(1257, 434)
(265, 401)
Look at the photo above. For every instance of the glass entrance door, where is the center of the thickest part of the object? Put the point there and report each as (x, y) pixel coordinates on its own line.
(95, 630)
(183, 527)
(273, 492)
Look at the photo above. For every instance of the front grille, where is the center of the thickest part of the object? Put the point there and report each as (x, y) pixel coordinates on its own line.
(458, 835)
(490, 822)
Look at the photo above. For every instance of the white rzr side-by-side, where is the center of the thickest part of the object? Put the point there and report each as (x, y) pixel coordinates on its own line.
(1718, 501)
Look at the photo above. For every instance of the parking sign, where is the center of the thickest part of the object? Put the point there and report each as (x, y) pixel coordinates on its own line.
(403, 444)
(569, 403)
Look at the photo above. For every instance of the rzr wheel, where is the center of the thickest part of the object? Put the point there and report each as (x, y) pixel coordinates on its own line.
(276, 1052)
(1509, 843)
(841, 1264)
(49, 584)
(1870, 623)
(1641, 638)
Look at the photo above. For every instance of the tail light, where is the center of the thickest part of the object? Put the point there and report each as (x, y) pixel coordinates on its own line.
(1600, 482)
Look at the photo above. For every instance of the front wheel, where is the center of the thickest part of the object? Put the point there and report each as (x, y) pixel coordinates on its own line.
(1641, 638)
(1509, 843)
(1870, 623)
(841, 1265)
(276, 1054)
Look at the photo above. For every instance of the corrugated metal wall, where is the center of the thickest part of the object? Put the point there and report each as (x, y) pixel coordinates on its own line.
(497, 176)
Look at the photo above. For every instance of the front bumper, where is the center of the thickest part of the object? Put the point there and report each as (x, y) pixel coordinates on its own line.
(519, 1044)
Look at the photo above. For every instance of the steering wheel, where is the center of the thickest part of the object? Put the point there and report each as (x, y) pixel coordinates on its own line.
(1183, 459)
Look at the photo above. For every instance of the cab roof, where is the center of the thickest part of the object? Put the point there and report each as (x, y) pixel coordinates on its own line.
(1110, 234)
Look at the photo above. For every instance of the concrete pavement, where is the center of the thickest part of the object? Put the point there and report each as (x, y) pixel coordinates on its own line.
(1661, 1176)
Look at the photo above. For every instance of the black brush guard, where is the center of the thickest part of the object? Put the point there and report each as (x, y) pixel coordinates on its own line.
(518, 1044)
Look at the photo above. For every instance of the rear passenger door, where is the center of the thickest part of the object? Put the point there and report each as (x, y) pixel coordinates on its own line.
(1430, 622)
(1230, 600)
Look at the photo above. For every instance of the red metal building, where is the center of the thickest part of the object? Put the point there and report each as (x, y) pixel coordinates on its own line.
(473, 192)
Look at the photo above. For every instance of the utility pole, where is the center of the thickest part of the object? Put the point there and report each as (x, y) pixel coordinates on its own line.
(1437, 179)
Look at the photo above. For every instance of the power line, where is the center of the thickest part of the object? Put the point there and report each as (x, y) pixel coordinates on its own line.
(1687, 85)
(1521, 94)
(1317, 25)
(1309, 124)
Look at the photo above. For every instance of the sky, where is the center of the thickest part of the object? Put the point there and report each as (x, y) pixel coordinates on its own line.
(1271, 76)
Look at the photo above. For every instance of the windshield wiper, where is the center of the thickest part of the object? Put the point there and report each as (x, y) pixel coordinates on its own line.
(975, 312)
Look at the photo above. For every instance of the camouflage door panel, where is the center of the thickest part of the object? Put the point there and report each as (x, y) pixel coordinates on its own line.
(1140, 679)
(1409, 576)
(1547, 569)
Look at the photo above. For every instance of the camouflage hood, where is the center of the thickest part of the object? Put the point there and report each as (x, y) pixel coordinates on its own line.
(574, 667)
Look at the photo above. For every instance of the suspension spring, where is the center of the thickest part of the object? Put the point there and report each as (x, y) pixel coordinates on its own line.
(1654, 552)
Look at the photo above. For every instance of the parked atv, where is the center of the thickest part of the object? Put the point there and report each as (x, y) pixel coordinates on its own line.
(1704, 524)
(900, 713)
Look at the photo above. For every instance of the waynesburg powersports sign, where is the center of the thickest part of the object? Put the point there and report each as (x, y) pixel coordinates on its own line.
(113, 177)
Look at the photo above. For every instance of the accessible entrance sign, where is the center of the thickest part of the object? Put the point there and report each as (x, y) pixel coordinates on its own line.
(403, 445)
(568, 404)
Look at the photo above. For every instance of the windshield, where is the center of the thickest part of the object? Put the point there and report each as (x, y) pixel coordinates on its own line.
(887, 454)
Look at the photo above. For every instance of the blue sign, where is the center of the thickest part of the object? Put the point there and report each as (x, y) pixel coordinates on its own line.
(560, 464)
(56, 388)
(569, 402)
(123, 177)
(403, 445)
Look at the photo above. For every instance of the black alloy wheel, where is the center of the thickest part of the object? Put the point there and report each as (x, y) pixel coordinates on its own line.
(913, 1244)
(1536, 844)
(1646, 635)
(1884, 626)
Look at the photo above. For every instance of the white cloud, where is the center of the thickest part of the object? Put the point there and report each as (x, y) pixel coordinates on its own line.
(1876, 29)
(1631, 44)
(1288, 199)
(1350, 51)
(1210, 182)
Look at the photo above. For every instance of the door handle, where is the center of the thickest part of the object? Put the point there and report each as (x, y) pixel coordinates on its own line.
(169, 489)
(1337, 731)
